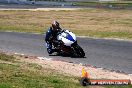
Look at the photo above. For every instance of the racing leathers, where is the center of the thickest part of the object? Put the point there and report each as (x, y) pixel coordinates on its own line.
(51, 37)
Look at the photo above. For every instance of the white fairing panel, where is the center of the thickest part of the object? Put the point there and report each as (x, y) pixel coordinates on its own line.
(72, 34)
(65, 40)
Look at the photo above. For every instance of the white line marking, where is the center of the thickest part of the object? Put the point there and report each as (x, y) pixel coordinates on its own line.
(100, 68)
(16, 53)
(130, 74)
(45, 9)
(44, 58)
(81, 64)
(19, 54)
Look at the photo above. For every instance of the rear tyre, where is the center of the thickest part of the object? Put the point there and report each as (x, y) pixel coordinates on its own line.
(78, 51)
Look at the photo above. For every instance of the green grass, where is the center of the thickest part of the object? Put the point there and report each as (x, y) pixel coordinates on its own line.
(30, 75)
(119, 86)
(5, 57)
(100, 23)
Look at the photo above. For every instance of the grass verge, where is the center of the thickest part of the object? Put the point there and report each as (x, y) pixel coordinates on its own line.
(20, 74)
(89, 22)
(30, 75)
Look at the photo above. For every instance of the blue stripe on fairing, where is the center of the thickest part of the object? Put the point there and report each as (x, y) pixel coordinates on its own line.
(69, 37)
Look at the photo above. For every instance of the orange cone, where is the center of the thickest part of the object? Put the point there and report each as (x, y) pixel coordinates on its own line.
(84, 73)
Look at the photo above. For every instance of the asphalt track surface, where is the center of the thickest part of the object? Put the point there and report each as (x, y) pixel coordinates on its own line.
(109, 54)
(18, 6)
(24, 6)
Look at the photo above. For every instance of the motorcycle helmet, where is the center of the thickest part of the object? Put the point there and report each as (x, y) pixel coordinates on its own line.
(55, 25)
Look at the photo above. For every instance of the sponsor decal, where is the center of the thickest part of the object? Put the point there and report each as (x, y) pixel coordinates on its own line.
(85, 80)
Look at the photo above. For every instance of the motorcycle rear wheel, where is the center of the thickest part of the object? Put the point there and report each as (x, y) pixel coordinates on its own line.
(78, 51)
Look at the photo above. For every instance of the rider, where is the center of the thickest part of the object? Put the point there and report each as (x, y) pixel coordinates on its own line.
(51, 36)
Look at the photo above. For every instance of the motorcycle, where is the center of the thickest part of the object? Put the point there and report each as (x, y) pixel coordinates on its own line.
(68, 45)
